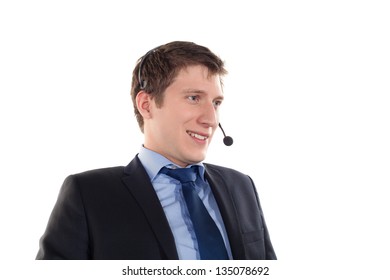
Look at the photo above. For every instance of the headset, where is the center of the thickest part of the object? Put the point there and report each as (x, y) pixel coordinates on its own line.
(142, 83)
(227, 140)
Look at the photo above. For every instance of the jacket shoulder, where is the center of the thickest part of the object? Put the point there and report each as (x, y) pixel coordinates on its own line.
(96, 178)
(108, 171)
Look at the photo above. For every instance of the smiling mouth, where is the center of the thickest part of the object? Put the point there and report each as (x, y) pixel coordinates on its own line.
(197, 136)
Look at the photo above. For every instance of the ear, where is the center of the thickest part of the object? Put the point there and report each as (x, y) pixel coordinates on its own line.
(144, 104)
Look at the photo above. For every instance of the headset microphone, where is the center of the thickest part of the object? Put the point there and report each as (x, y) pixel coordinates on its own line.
(227, 140)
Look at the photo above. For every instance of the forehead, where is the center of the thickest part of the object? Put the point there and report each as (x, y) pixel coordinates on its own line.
(197, 77)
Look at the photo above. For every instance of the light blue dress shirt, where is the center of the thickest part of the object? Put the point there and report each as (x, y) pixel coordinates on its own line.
(172, 201)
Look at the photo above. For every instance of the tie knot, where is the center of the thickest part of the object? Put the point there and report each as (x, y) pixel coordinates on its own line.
(183, 175)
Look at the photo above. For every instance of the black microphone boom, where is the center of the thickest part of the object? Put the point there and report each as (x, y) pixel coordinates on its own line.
(227, 140)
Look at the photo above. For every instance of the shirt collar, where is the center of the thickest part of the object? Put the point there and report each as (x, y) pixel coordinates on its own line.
(153, 162)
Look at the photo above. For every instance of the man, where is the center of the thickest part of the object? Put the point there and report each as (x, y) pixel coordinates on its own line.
(146, 210)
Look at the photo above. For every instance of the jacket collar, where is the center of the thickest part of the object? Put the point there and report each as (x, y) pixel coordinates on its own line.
(138, 183)
(227, 208)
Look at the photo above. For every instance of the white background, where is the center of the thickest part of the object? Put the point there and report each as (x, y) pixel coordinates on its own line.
(307, 102)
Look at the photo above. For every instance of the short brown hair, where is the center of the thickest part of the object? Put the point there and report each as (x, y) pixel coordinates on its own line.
(161, 65)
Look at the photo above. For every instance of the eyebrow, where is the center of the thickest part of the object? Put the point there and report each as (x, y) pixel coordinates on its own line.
(199, 91)
(192, 90)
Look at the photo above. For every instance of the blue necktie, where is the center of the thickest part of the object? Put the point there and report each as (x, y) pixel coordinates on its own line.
(210, 241)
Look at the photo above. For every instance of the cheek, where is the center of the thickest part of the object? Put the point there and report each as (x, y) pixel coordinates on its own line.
(180, 116)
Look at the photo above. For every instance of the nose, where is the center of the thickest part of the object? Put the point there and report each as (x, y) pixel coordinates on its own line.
(209, 116)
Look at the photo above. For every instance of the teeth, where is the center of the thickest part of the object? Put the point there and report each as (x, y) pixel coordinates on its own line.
(197, 136)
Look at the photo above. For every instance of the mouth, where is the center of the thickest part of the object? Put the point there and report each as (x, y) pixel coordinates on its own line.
(197, 136)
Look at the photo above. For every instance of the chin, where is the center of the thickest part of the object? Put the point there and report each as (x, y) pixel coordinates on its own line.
(198, 159)
(192, 156)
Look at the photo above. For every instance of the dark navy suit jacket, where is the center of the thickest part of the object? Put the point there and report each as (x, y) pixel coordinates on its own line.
(114, 213)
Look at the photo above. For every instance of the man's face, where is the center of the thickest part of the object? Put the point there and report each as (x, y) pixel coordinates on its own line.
(182, 128)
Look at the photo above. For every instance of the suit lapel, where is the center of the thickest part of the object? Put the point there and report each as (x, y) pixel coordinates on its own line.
(227, 209)
(138, 183)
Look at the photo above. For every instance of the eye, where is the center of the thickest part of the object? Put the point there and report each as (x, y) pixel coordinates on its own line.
(217, 103)
(193, 98)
